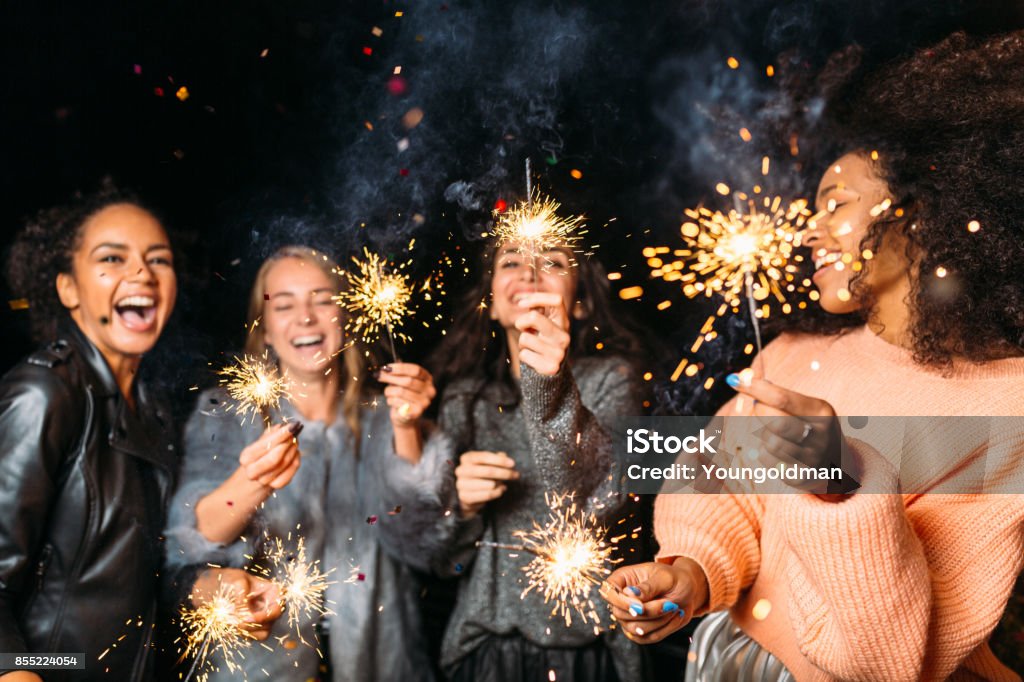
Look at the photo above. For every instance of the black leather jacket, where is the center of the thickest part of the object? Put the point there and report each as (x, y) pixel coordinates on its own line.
(84, 482)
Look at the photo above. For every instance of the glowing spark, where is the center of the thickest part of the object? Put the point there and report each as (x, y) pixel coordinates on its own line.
(254, 384)
(378, 299)
(301, 583)
(723, 249)
(217, 626)
(569, 558)
(536, 226)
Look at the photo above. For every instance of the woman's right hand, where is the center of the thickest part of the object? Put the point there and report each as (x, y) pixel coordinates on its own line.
(274, 457)
(653, 600)
(481, 477)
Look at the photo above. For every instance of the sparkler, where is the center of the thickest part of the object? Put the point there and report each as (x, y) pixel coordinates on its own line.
(254, 384)
(378, 299)
(218, 625)
(569, 558)
(536, 227)
(301, 583)
(740, 255)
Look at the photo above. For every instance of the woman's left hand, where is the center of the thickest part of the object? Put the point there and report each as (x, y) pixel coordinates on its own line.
(799, 429)
(409, 392)
(544, 332)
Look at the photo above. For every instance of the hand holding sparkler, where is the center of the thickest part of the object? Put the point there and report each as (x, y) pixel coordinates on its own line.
(798, 429)
(482, 477)
(653, 600)
(231, 609)
(274, 457)
(265, 465)
(544, 331)
(256, 602)
(409, 392)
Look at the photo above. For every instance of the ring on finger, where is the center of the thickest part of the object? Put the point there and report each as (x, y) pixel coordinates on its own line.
(806, 432)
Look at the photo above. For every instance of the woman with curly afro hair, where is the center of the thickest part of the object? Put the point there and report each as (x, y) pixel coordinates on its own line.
(917, 259)
(87, 455)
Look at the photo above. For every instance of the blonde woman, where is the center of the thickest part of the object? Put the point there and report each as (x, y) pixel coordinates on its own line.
(244, 484)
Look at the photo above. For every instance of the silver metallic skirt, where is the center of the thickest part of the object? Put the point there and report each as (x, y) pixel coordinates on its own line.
(721, 652)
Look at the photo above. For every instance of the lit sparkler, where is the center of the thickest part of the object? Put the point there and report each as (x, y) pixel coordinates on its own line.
(536, 227)
(378, 299)
(569, 558)
(301, 583)
(740, 255)
(218, 625)
(254, 384)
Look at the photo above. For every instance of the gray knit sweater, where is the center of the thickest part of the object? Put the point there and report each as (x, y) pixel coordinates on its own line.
(554, 434)
(333, 502)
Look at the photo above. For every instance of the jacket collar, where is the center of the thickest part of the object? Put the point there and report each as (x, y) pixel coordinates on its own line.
(145, 433)
(100, 377)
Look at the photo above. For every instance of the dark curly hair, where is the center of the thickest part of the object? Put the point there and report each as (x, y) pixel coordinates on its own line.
(44, 249)
(948, 125)
(476, 346)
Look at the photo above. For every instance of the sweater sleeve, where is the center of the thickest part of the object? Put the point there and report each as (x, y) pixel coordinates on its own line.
(212, 444)
(881, 590)
(721, 532)
(429, 534)
(571, 446)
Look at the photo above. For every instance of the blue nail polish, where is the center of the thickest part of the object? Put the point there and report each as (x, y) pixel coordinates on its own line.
(634, 590)
(636, 608)
(733, 380)
(682, 613)
(669, 607)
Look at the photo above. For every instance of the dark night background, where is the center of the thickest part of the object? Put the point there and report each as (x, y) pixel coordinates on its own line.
(273, 144)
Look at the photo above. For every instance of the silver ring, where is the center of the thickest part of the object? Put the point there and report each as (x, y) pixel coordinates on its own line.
(807, 431)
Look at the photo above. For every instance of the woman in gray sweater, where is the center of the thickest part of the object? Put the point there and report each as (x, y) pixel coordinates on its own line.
(532, 367)
(244, 486)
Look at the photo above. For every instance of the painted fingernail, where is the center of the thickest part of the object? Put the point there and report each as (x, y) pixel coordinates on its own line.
(636, 608)
(386, 368)
(733, 380)
(669, 607)
(635, 590)
(640, 631)
(296, 428)
(682, 613)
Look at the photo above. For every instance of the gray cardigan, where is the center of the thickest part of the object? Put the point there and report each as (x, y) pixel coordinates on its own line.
(333, 502)
(554, 434)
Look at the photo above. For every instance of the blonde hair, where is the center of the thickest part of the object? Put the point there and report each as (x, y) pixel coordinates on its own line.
(351, 370)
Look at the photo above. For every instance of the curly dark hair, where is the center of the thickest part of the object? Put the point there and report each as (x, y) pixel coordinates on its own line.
(44, 249)
(476, 346)
(948, 125)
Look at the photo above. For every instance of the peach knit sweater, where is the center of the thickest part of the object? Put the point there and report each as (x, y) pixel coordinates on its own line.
(876, 587)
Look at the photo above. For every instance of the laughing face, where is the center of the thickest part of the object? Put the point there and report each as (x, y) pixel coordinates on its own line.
(514, 276)
(122, 286)
(849, 192)
(300, 321)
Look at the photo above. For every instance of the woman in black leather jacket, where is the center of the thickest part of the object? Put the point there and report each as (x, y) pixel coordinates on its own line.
(87, 458)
